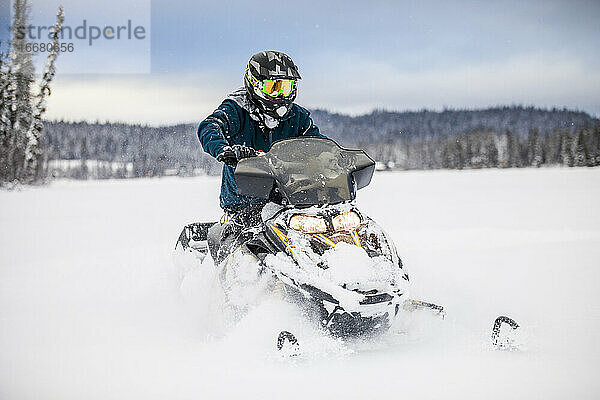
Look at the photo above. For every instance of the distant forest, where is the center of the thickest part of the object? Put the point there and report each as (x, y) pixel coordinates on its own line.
(500, 137)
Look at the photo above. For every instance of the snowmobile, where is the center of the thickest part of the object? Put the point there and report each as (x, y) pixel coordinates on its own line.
(312, 244)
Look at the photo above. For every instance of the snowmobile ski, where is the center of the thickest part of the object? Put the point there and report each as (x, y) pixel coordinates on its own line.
(499, 340)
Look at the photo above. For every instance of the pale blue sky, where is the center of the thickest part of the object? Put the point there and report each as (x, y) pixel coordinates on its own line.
(354, 56)
(412, 35)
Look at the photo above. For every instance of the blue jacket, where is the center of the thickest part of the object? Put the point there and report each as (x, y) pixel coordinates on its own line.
(230, 124)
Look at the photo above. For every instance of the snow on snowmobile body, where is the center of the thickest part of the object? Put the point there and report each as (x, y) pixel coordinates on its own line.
(314, 246)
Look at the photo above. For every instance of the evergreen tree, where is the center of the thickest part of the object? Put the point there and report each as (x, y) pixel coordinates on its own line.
(512, 148)
(459, 154)
(20, 79)
(33, 149)
(83, 157)
(447, 156)
(566, 149)
(468, 151)
(581, 155)
(491, 152)
(596, 146)
(591, 146)
(552, 147)
(20, 112)
(537, 152)
(4, 121)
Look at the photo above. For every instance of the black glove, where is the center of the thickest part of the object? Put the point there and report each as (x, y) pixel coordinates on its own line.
(232, 154)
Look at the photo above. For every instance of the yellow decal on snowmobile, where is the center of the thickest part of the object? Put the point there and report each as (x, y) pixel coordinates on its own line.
(289, 245)
(286, 240)
(355, 237)
(324, 239)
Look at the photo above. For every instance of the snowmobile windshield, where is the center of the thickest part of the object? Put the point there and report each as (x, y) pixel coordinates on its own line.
(306, 171)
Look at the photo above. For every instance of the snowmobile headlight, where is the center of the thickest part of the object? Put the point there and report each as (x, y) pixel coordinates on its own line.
(346, 221)
(308, 223)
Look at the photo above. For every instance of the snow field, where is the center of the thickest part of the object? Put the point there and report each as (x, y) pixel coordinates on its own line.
(91, 305)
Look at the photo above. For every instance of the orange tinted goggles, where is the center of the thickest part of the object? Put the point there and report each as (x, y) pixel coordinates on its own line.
(275, 87)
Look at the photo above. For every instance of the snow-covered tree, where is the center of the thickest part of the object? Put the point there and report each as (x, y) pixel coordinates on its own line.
(20, 111)
(491, 151)
(581, 153)
(4, 118)
(535, 149)
(33, 148)
(566, 149)
(596, 146)
(19, 78)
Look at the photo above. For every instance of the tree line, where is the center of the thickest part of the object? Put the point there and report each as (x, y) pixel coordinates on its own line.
(484, 148)
(454, 139)
(116, 150)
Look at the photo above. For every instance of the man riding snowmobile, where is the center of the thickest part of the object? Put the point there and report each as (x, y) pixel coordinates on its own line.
(311, 239)
(247, 122)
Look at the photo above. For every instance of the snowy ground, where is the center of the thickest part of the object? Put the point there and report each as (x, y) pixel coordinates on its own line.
(90, 308)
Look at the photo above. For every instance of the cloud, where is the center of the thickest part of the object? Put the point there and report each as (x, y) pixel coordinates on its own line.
(536, 79)
(150, 99)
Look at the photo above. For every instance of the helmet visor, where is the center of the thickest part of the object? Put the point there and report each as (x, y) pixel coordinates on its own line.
(274, 87)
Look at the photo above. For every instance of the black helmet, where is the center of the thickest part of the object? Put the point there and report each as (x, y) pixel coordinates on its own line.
(270, 80)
